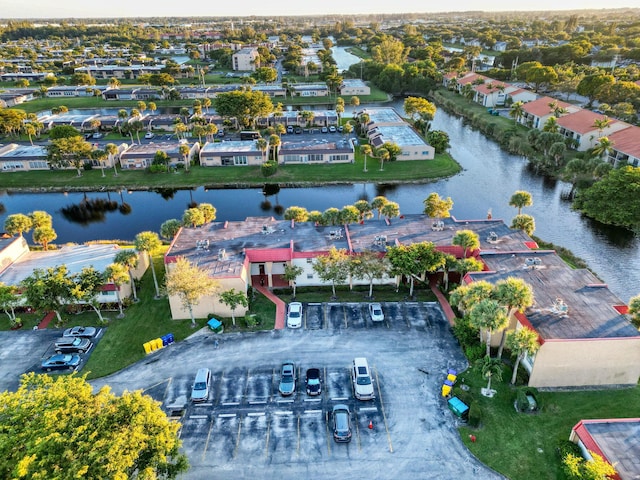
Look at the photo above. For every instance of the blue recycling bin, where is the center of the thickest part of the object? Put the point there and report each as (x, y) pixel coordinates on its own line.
(167, 339)
(215, 325)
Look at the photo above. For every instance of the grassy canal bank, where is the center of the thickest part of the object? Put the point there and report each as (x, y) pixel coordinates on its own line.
(442, 166)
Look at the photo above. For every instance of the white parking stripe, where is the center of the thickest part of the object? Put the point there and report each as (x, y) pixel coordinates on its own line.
(227, 404)
(256, 414)
(226, 415)
(203, 405)
(312, 411)
(368, 409)
(312, 399)
(338, 399)
(198, 416)
(283, 412)
(257, 402)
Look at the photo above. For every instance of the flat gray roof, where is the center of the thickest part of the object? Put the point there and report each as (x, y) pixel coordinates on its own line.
(590, 304)
(620, 442)
(145, 149)
(75, 257)
(292, 144)
(24, 152)
(401, 135)
(232, 146)
(383, 115)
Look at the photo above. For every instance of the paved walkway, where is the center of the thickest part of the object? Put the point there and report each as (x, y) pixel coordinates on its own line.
(446, 308)
(46, 320)
(281, 307)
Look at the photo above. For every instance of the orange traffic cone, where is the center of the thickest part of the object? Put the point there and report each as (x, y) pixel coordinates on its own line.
(370, 425)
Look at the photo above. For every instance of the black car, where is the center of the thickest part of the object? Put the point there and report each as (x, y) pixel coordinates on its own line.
(313, 382)
(72, 345)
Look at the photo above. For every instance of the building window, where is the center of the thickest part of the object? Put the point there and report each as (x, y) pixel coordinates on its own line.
(337, 158)
(309, 276)
(315, 157)
(240, 160)
(310, 261)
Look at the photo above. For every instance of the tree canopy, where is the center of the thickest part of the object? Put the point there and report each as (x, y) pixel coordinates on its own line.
(245, 106)
(58, 428)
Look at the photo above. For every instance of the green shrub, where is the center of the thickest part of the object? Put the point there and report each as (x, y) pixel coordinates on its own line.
(566, 447)
(269, 168)
(475, 415)
(252, 321)
(474, 352)
(157, 168)
(465, 333)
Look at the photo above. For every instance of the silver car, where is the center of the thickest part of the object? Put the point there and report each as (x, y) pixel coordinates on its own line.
(72, 345)
(375, 310)
(341, 418)
(287, 379)
(79, 332)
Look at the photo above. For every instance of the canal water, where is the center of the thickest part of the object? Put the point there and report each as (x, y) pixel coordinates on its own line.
(489, 178)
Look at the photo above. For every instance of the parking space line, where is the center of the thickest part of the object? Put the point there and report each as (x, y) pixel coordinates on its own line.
(198, 416)
(384, 415)
(203, 405)
(227, 415)
(266, 447)
(206, 444)
(368, 409)
(235, 452)
(287, 400)
(324, 317)
(312, 400)
(246, 385)
(256, 414)
(257, 402)
(344, 313)
(228, 404)
(355, 414)
(283, 412)
(326, 423)
(312, 411)
(338, 399)
(298, 446)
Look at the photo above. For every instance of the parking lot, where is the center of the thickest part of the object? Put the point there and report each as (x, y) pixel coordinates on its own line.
(247, 429)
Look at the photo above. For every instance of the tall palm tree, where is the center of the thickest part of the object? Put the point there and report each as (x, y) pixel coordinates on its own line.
(366, 151)
(515, 295)
(603, 148)
(112, 151)
(262, 144)
(149, 242)
(274, 144)
(488, 315)
(551, 125)
(184, 151)
(601, 124)
(516, 111)
(211, 129)
(519, 199)
(117, 274)
(129, 258)
(523, 341)
(383, 154)
(491, 368)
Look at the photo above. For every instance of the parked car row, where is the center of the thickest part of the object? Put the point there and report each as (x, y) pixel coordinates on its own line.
(294, 314)
(74, 341)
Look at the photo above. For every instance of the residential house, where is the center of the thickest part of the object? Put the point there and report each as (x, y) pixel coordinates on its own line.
(17, 262)
(70, 91)
(11, 98)
(581, 128)
(492, 94)
(231, 153)
(309, 90)
(23, 158)
(615, 440)
(354, 87)
(625, 147)
(142, 156)
(333, 149)
(537, 112)
(386, 125)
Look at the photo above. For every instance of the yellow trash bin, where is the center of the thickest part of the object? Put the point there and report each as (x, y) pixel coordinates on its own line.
(446, 390)
(452, 378)
(147, 347)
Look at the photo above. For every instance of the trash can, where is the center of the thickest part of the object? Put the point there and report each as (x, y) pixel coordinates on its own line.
(215, 325)
(458, 407)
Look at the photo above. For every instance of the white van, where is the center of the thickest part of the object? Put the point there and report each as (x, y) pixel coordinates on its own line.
(362, 381)
(200, 390)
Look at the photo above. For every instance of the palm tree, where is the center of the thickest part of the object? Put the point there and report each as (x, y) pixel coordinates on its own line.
(383, 154)
(30, 130)
(122, 116)
(152, 106)
(354, 102)
(377, 203)
(129, 258)
(603, 148)
(262, 145)
(491, 367)
(524, 222)
(117, 274)
(488, 315)
(211, 129)
(364, 208)
(516, 111)
(206, 103)
(148, 242)
(523, 341)
(519, 199)
(184, 151)
(365, 150)
(390, 210)
(551, 125)
(515, 295)
(274, 144)
(601, 124)
(112, 151)
(467, 239)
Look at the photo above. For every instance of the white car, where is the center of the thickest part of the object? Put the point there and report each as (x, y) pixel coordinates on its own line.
(149, 135)
(375, 310)
(294, 315)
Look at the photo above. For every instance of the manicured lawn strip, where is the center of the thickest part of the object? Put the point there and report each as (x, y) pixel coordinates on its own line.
(358, 52)
(360, 293)
(523, 446)
(417, 170)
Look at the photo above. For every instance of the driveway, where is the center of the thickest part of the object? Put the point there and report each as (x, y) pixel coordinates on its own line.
(246, 429)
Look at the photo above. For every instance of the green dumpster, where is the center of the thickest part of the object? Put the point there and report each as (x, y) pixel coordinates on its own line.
(458, 407)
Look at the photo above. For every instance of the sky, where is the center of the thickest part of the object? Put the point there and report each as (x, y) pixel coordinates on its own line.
(211, 8)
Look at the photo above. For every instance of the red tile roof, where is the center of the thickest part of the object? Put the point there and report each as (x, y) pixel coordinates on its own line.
(627, 141)
(540, 107)
(489, 88)
(581, 121)
(471, 78)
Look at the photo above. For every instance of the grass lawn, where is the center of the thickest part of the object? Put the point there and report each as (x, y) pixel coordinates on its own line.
(523, 446)
(408, 171)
